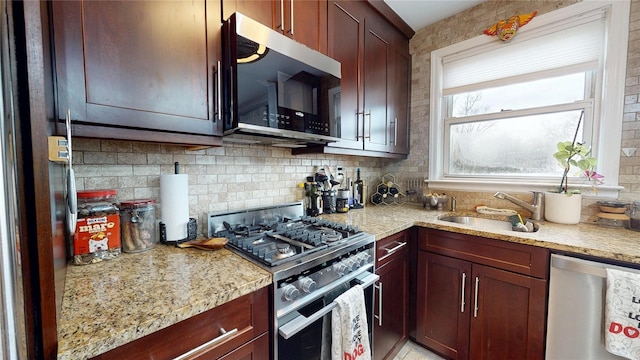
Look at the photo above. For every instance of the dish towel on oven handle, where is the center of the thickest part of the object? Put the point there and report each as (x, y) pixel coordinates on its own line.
(622, 314)
(349, 328)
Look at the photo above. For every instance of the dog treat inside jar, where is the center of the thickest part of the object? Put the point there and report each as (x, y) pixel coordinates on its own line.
(97, 235)
(138, 225)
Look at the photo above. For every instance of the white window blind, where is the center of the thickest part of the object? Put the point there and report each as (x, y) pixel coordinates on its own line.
(571, 48)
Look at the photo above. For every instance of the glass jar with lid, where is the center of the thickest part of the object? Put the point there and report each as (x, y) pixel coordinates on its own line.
(97, 235)
(138, 225)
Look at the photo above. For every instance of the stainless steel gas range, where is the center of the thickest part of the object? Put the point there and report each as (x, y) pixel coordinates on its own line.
(312, 261)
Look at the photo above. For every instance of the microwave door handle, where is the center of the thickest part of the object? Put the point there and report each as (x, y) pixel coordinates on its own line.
(299, 323)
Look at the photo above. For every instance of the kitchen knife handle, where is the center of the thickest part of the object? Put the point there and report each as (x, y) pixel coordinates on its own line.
(464, 281)
(205, 346)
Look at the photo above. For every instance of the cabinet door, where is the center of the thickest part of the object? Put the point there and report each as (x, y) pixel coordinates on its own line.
(375, 84)
(392, 298)
(262, 11)
(444, 287)
(258, 349)
(345, 44)
(305, 21)
(138, 64)
(510, 318)
(399, 90)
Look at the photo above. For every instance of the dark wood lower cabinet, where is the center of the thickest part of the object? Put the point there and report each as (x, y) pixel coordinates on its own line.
(258, 349)
(469, 308)
(443, 313)
(390, 327)
(245, 319)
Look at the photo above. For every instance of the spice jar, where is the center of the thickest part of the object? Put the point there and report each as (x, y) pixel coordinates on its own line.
(97, 235)
(138, 225)
(634, 215)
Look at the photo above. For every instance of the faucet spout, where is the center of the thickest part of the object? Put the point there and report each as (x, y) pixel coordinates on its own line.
(536, 207)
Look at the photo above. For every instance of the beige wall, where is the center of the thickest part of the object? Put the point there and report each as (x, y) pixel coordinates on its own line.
(469, 24)
(235, 177)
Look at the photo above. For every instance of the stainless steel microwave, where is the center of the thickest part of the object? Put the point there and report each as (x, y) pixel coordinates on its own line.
(276, 90)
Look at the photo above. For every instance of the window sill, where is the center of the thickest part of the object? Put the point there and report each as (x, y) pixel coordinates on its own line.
(603, 191)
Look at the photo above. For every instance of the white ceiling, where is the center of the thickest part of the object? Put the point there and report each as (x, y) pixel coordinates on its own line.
(420, 13)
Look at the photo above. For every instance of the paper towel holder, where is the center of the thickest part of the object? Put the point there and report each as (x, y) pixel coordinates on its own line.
(192, 232)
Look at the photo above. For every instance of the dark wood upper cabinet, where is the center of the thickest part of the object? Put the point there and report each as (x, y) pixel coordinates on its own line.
(139, 65)
(305, 21)
(374, 101)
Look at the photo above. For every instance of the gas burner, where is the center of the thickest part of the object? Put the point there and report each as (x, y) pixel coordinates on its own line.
(256, 233)
(333, 236)
(283, 251)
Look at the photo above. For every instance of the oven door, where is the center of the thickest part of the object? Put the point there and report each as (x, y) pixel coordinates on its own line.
(308, 333)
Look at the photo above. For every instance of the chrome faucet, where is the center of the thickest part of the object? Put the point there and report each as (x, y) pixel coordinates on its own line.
(536, 207)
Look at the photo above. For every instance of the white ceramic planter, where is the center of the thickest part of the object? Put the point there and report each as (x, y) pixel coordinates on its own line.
(562, 208)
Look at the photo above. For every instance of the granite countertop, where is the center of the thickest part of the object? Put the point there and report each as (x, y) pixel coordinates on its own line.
(588, 239)
(113, 302)
(108, 304)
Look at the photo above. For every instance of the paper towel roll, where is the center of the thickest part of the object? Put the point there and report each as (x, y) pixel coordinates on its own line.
(174, 202)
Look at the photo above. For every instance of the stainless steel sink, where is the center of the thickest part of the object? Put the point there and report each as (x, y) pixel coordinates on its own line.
(482, 223)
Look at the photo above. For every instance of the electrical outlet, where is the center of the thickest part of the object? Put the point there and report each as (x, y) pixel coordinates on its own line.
(58, 149)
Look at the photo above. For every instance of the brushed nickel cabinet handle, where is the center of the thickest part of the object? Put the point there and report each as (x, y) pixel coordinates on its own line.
(282, 15)
(291, 10)
(368, 113)
(379, 316)
(464, 280)
(392, 250)
(475, 308)
(219, 95)
(225, 334)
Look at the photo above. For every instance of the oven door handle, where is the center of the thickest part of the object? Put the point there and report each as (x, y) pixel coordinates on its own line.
(294, 326)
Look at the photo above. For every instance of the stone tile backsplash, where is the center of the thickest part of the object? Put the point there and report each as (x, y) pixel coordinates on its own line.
(220, 179)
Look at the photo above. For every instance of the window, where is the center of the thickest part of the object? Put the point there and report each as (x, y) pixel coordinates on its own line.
(499, 109)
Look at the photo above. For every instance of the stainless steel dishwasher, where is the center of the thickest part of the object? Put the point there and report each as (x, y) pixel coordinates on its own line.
(575, 320)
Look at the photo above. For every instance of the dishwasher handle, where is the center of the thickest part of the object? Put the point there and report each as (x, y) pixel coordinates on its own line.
(585, 266)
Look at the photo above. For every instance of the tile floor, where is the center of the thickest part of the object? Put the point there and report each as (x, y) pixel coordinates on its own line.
(413, 351)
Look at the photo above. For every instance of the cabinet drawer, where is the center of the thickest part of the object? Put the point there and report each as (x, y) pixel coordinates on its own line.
(246, 317)
(392, 247)
(519, 258)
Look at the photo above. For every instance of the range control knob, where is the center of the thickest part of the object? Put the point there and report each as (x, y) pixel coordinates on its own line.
(352, 263)
(290, 292)
(359, 260)
(340, 268)
(308, 285)
(364, 258)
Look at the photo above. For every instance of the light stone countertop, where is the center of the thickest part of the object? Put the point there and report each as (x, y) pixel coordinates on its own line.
(586, 239)
(108, 304)
(113, 302)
